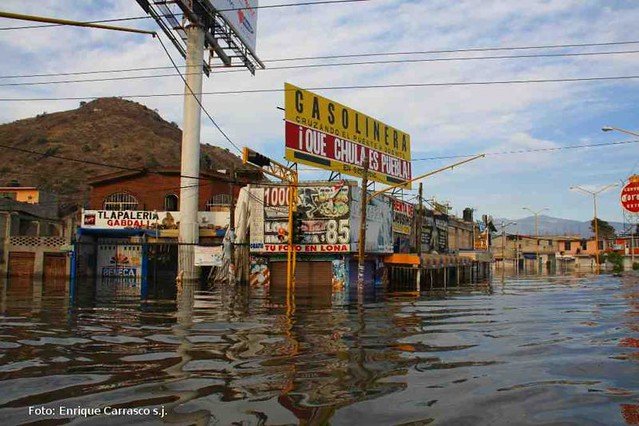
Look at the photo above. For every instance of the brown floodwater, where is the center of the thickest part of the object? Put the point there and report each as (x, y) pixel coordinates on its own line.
(517, 350)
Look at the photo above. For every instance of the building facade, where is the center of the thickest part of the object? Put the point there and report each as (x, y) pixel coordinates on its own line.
(34, 240)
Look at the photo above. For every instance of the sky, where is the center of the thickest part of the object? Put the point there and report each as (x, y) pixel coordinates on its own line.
(442, 121)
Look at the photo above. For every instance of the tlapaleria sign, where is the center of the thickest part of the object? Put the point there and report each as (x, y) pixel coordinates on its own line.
(329, 135)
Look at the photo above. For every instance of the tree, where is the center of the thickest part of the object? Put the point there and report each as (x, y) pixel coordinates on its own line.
(606, 231)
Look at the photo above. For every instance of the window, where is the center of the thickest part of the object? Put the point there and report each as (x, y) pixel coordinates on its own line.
(120, 201)
(584, 245)
(219, 200)
(171, 203)
(601, 245)
(9, 195)
(567, 245)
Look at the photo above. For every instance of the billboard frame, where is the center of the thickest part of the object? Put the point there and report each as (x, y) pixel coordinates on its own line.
(221, 39)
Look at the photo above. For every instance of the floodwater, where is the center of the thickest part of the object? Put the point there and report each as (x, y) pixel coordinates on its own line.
(519, 350)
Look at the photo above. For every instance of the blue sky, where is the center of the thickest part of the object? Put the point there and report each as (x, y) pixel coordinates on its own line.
(441, 121)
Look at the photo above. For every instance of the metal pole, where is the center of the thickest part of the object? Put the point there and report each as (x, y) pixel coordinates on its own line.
(503, 245)
(594, 200)
(537, 241)
(632, 247)
(516, 250)
(291, 253)
(190, 168)
(232, 223)
(57, 21)
(362, 228)
(419, 217)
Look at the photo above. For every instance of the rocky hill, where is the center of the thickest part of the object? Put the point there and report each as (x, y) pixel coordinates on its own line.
(106, 130)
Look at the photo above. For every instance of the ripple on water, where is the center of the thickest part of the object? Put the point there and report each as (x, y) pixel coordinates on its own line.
(117, 339)
(154, 356)
(61, 341)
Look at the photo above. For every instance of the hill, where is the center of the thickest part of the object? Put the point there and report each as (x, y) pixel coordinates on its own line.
(549, 225)
(106, 130)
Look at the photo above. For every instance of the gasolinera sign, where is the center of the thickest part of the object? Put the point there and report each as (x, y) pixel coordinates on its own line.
(329, 135)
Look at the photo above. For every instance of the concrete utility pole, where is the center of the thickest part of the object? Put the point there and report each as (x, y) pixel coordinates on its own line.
(536, 214)
(362, 228)
(594, 201)
(504, 225)
(189, 232)
(419, 219)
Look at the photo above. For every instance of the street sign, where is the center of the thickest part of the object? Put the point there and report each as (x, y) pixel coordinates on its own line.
(630, 195)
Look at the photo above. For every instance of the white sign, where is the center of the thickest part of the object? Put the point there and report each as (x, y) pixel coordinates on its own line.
(208, 256)
(241, 15)
(139, 219)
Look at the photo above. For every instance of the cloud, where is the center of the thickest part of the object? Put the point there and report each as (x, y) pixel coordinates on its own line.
(441, 120)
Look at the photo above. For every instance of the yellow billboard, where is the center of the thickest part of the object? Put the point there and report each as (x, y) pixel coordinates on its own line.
(326, 134)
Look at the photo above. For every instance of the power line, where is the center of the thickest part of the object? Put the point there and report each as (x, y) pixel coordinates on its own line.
(400, 61)
(91, 162)
(480, 49)
(196, 98)
(460, 50)
(523, 151)
(348, 87)
(134, 18)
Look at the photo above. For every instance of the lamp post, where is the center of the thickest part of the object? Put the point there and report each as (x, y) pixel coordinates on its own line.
(617, 129)
(536, 214)
(594, 201)
(503, 227)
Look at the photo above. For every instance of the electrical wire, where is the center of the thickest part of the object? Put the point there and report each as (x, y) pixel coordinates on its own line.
(524, 151)
(134, 18)
(195, 97)
(348, 87)
(302, 58)
(402, 61)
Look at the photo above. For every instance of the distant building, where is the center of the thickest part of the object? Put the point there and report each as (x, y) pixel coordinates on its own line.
(23, 194)
(34, 239)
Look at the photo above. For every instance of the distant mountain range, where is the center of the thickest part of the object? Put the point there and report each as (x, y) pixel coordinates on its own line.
(549, 225)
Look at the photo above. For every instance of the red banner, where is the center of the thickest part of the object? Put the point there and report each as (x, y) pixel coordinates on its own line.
(322, 149)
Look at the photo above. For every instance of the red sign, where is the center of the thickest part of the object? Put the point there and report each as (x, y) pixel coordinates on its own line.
(630, 196)
(403, 207)
(329, 149)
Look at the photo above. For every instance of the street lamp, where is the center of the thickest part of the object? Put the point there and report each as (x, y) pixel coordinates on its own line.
(503, 227)
(594, 200)
(536, 214)
(617, 129)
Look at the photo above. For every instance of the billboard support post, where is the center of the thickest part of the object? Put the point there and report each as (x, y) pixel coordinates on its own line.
(362, 229)
(190, 156)
(418, 219)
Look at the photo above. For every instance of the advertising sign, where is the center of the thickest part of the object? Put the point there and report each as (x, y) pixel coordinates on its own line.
(402, 217)
(324, 211)
(208, 256)
(440, 234)
(379, 230)
(139, 219)
(428, 226)
(120, 264)
(630, 195)
(241, 15)
(326, 134)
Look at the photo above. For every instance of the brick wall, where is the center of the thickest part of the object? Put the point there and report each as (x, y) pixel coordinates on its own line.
(150, 190)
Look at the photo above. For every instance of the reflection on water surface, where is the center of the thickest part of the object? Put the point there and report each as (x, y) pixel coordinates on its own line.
(520, 350)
